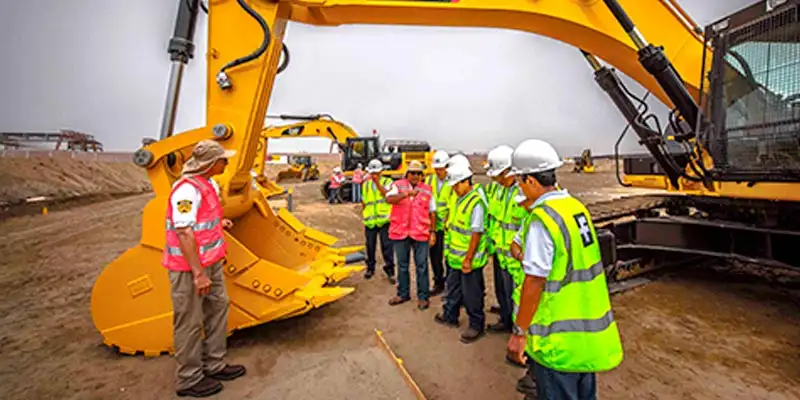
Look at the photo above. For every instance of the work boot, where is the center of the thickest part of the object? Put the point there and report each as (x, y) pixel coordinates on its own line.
(499, 327)
(444, 321)
(397, 300)
(206, 387)
(471, 335)
(494, 309)
(368, 275)
(229, 373)
(526, 385)
(423, 304)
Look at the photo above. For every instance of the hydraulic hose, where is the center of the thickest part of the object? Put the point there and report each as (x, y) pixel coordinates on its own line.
(222, 78)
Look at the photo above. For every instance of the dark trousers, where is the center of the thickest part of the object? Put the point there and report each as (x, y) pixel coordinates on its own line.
(467, 290)
(555, 385)
(403, 248)
(437, 260)
(333, 196)
(386, 248)
(504, 290)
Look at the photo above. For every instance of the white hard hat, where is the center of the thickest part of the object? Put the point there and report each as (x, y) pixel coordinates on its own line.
(499, 159)
(534, 155)
(360, 166)
(458, 159)
(337, 169)
(440, 159)
(374, 165)
(457, 173)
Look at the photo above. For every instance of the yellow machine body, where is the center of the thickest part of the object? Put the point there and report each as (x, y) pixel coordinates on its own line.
(277, 267)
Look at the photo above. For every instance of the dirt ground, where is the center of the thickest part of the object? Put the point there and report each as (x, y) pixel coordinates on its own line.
(698, 333)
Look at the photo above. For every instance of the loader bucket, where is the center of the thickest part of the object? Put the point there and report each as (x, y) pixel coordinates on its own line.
(276, 268)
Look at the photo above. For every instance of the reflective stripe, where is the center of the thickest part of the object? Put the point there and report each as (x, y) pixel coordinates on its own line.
(441, 204)
(176, 251)
(463, 253)
(505, 253)
(581, 275)
(573, 325)
(203, 226)
(374, 217)
(373, 202)
(460, 230)
(511, 227)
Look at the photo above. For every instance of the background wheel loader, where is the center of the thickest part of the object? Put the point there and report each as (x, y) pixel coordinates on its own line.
(584, 162)
(300, 167)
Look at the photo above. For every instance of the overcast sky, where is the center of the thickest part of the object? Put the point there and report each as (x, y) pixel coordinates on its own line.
(101, 66)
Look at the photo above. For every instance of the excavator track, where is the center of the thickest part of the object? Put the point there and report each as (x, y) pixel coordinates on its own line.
(604, 212)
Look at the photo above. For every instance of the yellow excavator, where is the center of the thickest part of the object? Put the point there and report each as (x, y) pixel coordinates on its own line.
(732, 201)
(584, 163)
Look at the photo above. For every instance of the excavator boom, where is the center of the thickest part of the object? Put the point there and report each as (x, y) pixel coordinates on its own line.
(277, 267)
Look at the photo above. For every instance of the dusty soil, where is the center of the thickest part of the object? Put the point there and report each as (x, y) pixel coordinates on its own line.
(67, 182)
(698, 333)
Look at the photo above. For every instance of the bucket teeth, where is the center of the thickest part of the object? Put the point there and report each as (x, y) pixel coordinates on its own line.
(276, 268)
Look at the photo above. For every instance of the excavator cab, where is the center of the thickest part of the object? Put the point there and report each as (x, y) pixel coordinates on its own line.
(359, 150)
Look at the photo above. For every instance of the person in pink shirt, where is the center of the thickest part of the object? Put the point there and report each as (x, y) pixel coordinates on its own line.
(337, 180)
(358, 179)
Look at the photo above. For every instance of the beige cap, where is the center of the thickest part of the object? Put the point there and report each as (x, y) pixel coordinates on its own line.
(415, 166)
(204, 155)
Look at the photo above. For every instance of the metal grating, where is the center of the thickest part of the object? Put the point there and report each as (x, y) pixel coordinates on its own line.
(757, 110)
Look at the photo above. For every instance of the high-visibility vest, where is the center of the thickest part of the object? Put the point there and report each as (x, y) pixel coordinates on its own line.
(376, 209)
(510, 219)
(208, 233)
(495, 193)
(411, 217)
(442, 195)
(358, 176)
(573, 329)
(336, 181)
(459, 232)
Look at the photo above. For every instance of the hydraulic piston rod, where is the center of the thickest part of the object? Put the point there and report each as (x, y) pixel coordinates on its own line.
(656, 63)
(181, 50)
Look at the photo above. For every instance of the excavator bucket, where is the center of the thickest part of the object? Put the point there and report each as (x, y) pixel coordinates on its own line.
(276, 268)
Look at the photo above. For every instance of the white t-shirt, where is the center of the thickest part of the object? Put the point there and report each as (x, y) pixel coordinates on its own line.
(538, 249)
(395, 190)
(185, 202)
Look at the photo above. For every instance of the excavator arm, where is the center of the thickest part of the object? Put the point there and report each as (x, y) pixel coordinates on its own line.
(277, 267)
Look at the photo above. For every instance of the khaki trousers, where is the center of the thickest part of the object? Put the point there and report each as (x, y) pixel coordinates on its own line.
(194, 315)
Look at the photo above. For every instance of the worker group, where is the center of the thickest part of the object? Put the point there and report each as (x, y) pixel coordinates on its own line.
(550, 287)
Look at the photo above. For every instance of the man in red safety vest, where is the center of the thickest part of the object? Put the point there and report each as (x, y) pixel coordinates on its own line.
(194, 253)
(411, 226)
(336, 182)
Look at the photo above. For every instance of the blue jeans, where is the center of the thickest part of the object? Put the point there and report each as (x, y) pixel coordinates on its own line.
(402, 248)
(333, 194)
(555, 385)
(356, 193)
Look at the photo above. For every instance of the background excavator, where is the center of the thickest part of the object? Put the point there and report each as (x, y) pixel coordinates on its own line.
(584, 162)
(726, 204)
(300, 167)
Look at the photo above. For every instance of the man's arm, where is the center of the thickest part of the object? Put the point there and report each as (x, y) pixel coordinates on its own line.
(477, 226)
(394, 195)
(188, 247)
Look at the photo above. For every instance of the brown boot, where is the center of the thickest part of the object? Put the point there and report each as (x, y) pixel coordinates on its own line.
(206, 387)
(471, 335)
(229, 373)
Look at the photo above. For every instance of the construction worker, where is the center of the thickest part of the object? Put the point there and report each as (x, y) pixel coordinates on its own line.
(336, 182)
(411, 227)
(441, 193)
(502, 231)
(193, 255)
(375, 212)
(564, 305)
(466, 254)
(358, 179)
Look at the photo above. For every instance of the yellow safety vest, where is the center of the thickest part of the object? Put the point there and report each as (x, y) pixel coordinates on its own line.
(376, 209)
(459, 234)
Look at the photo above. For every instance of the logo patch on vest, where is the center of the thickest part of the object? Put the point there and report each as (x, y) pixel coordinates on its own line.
(184, 206)
(584, 229)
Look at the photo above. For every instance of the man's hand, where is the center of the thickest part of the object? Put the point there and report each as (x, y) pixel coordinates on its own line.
(202, 284)
(227, 224)
(516, 348)
(466, 267)
(516, 251)
(412, 193)
(432, 241)
(374, 177)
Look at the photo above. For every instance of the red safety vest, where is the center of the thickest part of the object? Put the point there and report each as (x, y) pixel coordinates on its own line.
(335, 184)
(411, 217)
(358, 176)
(208, 233)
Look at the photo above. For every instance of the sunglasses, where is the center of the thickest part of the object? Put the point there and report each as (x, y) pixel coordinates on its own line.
(414, 173)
